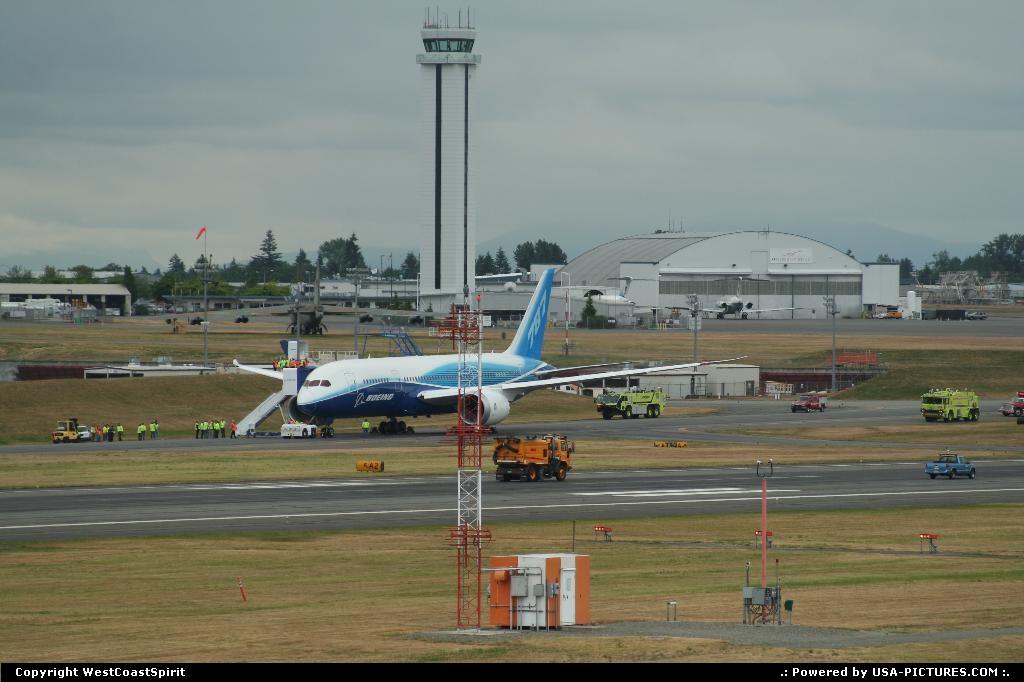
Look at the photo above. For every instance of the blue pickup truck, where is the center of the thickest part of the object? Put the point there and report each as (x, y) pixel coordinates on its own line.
(951, 465)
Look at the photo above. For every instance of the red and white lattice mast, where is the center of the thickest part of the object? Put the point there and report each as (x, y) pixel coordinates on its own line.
(464, 326)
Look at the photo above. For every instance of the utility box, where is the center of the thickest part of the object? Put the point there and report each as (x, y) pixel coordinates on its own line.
(540, 590)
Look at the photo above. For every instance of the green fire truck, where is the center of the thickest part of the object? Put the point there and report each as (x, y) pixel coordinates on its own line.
(949, 405)
(631, 403)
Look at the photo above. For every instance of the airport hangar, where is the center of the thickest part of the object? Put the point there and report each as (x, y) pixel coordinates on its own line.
(765, 268)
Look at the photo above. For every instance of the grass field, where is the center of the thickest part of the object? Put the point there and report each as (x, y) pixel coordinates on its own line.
(363, 596)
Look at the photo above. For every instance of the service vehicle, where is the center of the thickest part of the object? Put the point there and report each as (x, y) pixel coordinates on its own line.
(632, 403)
(298, 430)
(1014, 407)
(809, 402)
(951, 465)
(975, 315)
(68, 431)
(532, 458)
(949, 405)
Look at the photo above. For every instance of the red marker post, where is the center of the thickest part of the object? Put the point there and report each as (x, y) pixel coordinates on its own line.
(241, 589)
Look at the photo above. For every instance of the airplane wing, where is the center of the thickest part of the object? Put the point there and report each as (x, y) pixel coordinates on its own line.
(442, 395)
(560, 370)
(257, 370)
(768, 310)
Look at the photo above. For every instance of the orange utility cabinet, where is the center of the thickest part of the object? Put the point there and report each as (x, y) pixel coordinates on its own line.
(540, 590)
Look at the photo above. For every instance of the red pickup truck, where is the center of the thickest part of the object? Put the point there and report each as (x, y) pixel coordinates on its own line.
(809, 402)
(1014, 406)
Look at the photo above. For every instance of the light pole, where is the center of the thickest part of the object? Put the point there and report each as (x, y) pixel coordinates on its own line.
(830, 309)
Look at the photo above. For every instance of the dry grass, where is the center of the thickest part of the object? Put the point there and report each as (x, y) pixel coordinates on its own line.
(994, 429)
(358, 596)
(88, 464)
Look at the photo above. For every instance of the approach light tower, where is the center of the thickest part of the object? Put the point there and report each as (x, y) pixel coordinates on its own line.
(447, 177)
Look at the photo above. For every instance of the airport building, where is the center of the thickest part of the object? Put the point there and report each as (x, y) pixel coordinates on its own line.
(448, 161)
(759, 274)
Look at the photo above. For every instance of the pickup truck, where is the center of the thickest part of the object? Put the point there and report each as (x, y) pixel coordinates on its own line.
(1014, 406)
(949, 465)
(807, 403)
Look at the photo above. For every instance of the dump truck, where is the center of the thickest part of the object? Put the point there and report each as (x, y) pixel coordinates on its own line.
(67, 431)
(949, 405)
(532, 458)
(631, 403)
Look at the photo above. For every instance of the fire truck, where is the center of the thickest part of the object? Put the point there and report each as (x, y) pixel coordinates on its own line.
(949, 405)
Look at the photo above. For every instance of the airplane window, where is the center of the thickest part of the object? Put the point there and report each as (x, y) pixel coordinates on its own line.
(325, 382)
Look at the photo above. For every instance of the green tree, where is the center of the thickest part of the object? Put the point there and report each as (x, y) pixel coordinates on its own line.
(128, 280)
(267, 264)
(524, 254)
(501, 264)
(410, 266)
(51, 276)
(175, 265)
(336, 256)
(83, 274)
(544, 252)
(18, 274)
(485, 264)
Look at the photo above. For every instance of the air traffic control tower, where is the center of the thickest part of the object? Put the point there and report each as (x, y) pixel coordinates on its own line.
(447, 177)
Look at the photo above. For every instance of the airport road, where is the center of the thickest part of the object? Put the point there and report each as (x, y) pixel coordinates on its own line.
(721, 426)
(390, 502)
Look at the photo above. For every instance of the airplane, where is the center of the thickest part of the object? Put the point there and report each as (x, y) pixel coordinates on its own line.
(596, 295)
(735, 306)
(413, 386)
(310, 317)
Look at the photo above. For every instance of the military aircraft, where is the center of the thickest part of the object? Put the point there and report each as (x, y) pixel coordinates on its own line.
(309, 317)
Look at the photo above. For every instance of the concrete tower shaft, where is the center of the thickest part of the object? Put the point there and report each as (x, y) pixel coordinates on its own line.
(447, 176)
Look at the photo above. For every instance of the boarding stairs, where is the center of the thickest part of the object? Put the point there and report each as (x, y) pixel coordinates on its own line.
(406, 344)
(247, 425)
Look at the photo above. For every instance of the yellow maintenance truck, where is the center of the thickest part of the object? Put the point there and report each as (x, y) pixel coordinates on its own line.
(532, 458)
(949, 405)
(631, 403)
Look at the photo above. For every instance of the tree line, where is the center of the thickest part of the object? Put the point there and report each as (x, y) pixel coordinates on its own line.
(263, 273)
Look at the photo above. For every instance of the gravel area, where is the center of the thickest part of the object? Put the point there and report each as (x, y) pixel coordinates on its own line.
(787, 636)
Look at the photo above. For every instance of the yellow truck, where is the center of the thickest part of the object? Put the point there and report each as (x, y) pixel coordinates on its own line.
(949, 405)
(67, 431)
(532, 458)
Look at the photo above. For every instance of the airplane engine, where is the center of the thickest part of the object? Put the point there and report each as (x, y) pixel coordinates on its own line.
(297, 414)
(495, 408)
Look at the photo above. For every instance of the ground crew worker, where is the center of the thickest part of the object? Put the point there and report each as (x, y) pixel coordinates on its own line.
(234, 429)
(92, 432)
(223, 426)
(141, 431)
(106, 432)
(216, 428)
(204, 427)
(152, 430)
(120, 431)
(366, 426)
(197, 428)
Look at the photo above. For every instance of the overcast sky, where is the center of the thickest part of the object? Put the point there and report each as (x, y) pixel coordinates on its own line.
(127, 125)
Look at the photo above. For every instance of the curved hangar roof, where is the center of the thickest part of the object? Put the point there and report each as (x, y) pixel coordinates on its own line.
(601, 264)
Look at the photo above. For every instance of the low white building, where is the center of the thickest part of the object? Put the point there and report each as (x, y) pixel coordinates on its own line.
(707, 381)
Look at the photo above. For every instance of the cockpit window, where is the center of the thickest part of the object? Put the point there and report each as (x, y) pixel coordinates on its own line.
(325, 382)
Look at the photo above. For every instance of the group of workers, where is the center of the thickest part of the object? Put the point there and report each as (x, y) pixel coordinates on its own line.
(215, 428)
(108, 432)
(283, 362)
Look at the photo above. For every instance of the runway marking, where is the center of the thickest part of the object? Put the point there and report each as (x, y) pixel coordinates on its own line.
(446, 510)
(676, 491)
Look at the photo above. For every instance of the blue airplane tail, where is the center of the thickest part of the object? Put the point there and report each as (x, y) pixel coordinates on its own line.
(530, 335)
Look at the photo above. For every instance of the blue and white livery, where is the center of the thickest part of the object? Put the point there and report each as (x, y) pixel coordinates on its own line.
(398, 387)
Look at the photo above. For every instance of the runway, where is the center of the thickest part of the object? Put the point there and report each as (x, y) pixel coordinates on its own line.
(391, 502)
